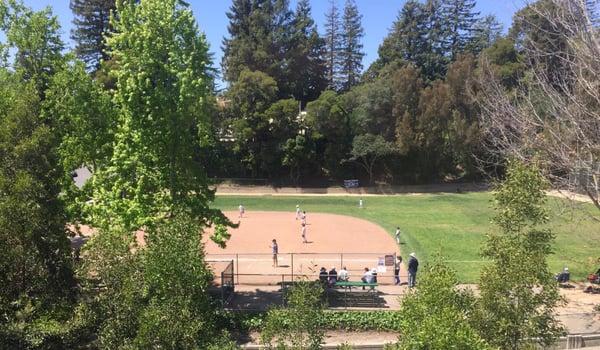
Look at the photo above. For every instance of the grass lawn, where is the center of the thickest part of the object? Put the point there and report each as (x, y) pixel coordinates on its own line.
(451, 224)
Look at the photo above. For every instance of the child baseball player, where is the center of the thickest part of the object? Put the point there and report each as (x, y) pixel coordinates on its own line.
(242, 210)
(303, 230)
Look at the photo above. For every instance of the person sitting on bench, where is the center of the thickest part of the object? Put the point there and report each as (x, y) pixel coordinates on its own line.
(367, 276)
(343, 275)
(323, 276)
(332, 276)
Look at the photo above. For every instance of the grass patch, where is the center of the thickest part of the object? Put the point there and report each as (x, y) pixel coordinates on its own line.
(453, 224)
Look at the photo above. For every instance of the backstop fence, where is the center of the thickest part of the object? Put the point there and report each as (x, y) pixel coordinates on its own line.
(224, 273)
(259, 269)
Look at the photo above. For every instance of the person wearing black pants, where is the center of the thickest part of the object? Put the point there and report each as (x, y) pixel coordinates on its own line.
(413, 265)
(397, 270)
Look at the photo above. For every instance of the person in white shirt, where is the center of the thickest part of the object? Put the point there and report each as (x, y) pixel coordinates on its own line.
(367, 276)
(297, 211)
(242, 210)
(343, 275)
(360, 203)
(398, 235)
(303, 230)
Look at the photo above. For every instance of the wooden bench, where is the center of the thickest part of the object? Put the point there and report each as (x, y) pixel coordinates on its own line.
(347, 287)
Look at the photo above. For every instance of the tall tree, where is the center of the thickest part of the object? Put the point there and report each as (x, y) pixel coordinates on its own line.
(333, 45)
(163, 81)
(460, 19)
(406, 40)
(518, 309)
(91, 24)
(351, 51)
(36, 267)
(36, 37)
(307, 72)
(260, 32)
(486, 31)
(435, 58)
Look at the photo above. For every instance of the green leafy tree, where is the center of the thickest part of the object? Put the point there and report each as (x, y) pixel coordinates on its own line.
(435, 315)
(351, 51)
(329, 125)
(163, 82)
(85, 121)
(298, 154)
(35, 36)
(368, 149)
(504, 61)
(156, 297)
(517, 309)
(91, 23)
(250, 97)
(299, 325)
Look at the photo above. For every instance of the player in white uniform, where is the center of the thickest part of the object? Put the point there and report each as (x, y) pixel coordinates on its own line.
(303, 230)
(360, 203)
(242, 210)
(297, 211)
(303, 217)
(398, 235)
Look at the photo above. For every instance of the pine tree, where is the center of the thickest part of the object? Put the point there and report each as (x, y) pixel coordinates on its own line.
(434, 59)
(333, 44)
(407, 40)
(351, 53)
(307, 65)
(459, 19)
(91, 23)
(259, 40)
(486, 31)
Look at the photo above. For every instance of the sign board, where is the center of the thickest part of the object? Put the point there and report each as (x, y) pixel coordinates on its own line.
(351, 183)
(389, 260)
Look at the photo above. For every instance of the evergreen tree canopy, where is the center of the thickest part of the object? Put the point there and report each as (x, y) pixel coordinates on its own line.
(351, 51)
(91, 24)
(333, 44)
(459, 19)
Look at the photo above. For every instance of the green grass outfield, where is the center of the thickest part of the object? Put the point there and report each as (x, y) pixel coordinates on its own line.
(453, 224)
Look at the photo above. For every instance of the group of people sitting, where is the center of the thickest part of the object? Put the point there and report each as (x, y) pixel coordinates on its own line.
(331, 277)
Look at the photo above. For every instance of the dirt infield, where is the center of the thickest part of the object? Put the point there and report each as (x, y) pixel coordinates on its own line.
(334, 240)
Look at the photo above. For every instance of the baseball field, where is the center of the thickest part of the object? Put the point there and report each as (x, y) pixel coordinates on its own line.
(454, 225)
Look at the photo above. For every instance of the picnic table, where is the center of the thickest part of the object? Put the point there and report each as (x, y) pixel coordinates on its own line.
(347, 286)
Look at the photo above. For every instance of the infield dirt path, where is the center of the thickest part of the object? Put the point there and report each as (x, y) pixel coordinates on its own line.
(334, 240)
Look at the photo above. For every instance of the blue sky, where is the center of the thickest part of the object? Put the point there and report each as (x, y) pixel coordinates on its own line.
(378, 16)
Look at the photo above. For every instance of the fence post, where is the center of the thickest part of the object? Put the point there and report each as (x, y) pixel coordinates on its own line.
(237, 268)
(292, 266)
(341, 260)
(222, 289)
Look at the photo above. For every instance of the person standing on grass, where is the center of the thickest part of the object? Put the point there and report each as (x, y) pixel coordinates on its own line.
(397, 270)
(297, 211)
(360, 203)
(274, 251)
(303, 230)
(398, 235)
(242, 210)
(413, 265)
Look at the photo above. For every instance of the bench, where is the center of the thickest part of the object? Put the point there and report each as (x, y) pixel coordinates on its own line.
(347, 287)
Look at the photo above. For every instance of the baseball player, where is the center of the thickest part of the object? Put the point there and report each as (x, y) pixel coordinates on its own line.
(242, 210)
(297, 211)
(303, 230)
(303, 217)
(398, 235)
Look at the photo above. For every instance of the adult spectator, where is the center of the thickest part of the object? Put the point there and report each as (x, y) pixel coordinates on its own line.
(564, 276)
(323, 276)
(397, 270)
(413, 266)
(343, 275)
(367, 276)
(333, 275)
